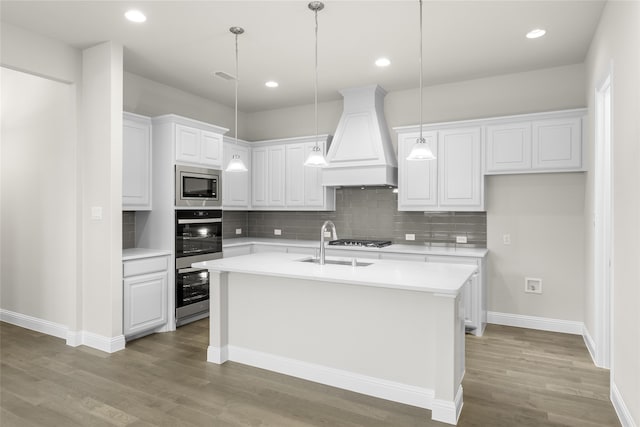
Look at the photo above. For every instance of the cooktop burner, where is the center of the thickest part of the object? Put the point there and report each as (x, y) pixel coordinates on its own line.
(359, 242)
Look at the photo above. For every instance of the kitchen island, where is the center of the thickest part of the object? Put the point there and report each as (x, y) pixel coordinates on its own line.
(390, 329)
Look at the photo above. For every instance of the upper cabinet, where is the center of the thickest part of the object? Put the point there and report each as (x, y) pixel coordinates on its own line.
(136, 162)
(451, 182)
(280, 181)
(236, 185)
(467, 150)
(195, 143)
(534, 143)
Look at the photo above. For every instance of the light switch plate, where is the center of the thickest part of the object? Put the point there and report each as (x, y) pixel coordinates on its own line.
(410, 237)
(461, 239)
(506, 239)
(96, 212)
(238, 230)
(277, 232)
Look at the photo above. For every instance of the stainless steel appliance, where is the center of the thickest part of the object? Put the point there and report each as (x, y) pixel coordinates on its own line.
(198, 187)
(361, 243)
(198, 238)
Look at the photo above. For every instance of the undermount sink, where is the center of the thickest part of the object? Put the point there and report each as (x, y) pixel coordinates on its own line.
(337, 262)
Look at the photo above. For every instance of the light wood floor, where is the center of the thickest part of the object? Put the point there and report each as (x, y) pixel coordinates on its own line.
(514, 377)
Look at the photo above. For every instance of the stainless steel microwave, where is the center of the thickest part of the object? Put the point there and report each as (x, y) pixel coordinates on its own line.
(198, 187)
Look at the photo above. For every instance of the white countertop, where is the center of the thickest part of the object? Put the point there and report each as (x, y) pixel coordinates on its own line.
(139, 253)
(406, 275)
(396, 248)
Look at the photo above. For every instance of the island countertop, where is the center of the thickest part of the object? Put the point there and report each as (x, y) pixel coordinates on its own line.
(403, 275)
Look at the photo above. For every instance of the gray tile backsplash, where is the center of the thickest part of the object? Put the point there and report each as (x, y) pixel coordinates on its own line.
(369, 213)
(128, 229)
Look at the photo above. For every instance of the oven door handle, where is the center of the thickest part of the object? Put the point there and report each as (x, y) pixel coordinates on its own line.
(191, 270)
(199, 221)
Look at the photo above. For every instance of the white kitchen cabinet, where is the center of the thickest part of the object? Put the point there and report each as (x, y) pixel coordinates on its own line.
(268, 176)
(508, 147)
(281, 181)
(198, 146)
(475, 294)
(403, 256)
(257, 248)
(350, 253)
(236, 186)
(295, 174)
(417, 179)
(451, 182)
(534, 143)
(145, 294)
(460, 179)
(136, 162)
(557, 144)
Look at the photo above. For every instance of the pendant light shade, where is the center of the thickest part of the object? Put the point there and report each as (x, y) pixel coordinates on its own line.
(316, 158)
(236, 164)
(421, 150)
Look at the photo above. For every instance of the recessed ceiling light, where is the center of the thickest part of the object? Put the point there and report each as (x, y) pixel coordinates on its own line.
(135, 16)
(534, 34)
(271, 83)
(383, 62)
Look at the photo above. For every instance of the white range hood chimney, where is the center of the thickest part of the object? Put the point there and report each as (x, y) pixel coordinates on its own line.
(361, 152)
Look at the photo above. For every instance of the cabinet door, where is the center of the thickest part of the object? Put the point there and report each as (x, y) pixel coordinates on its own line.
(557, 144)
(459, 169)
(235, 185)
(211, 149)
(295, 174)
(259, 170)
(417, 179)
(276, 176)
(145, 303)
(508, 147)
(136, 165)
(314, 191)
(187, 144)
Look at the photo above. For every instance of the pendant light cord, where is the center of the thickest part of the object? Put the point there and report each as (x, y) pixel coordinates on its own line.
(236, 108)
(420, 62)
(316, 76)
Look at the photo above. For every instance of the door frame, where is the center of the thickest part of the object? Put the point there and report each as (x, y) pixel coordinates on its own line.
(603, 220)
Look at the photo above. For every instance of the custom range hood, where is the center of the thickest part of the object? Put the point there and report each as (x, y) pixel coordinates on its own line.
(361, 153)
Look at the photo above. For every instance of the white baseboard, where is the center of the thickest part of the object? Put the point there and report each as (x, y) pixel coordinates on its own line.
(447, 411)
(217, 355)
(624, 415)
(384, 389)
(532, 322)
(73, 338)
(33, 323)
(590, 343)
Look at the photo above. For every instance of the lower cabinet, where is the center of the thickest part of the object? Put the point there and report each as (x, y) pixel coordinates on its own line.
(145, 307)
(475, 294)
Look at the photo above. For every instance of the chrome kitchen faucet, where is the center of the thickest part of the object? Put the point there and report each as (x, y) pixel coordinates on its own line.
(333, 233)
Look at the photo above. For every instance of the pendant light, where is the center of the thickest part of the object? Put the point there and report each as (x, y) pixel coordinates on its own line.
(236, 164)
(421, 150)
(316, 158)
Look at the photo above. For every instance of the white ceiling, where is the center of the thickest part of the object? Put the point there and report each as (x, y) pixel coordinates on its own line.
(183, 42)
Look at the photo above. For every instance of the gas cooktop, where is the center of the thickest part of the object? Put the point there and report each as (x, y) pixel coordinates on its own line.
(361, 242)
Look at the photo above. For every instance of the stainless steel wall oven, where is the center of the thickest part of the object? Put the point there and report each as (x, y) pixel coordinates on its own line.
(198, 238)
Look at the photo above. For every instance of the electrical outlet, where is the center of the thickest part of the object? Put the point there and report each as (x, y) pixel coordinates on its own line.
(506, 239)
(327, 234)
(532, 285)
(96, 212)
(461, 239)
(410, 237)
(277, 231)
(238, 230)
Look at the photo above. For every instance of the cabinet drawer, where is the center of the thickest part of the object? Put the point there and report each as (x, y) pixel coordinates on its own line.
(452, 259)
(143, 266)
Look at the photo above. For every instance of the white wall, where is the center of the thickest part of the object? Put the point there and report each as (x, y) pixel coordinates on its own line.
(38, 197)
(617, 44)
(149, 98)
(544, 216)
